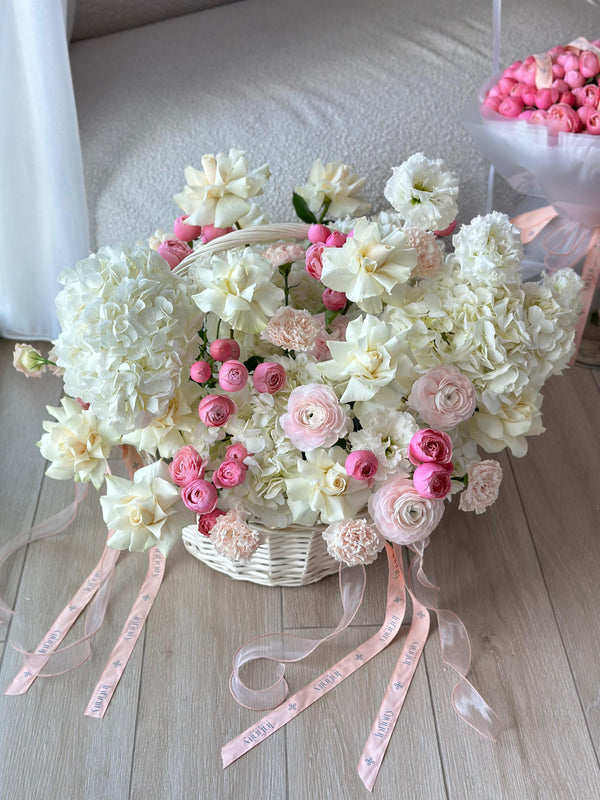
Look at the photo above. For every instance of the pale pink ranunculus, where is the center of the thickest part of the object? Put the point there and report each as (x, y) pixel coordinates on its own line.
(174, 251)
(432, 480)
(269, 377)
(484, 478)
(215, 409)
(206, 521)
(228, 474)
(563, 119)
(401, 514)
(233, 376)
(200, 496)
(430, 447)
(444, 397)
(587, 95)
(332, 300)
(236, 452)
(200, 371)
(314, 263)
(187, 465)
(314, 417)
(361, 464)
(186, 233)
(224, 349)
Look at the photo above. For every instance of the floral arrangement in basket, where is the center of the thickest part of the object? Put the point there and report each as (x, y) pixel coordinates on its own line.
(335, 376)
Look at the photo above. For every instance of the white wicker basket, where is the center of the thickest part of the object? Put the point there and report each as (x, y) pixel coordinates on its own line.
(293, 556)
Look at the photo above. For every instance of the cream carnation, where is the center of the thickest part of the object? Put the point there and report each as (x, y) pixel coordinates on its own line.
(353, 541)
(334, 182)
(284, 253)
(423, 192)
(293, 329)
(488, 250)
(482, 490)
(232, 537)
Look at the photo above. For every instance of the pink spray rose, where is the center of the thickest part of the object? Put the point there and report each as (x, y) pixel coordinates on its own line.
(432, 480)
(199, 496)
(233, 376)
(224, 349)
(318, 234)
(229, 474)
(335, 239)
(186, 233)
(430, 447)
(269, 377)
(200, 371)
(314, 417)
(215, 409)
(401, 514)
(174, 251)
(236, 452)
(361, 464)
(314, 264)
(206, 521)
(334, 301)
(187, 465)
(444, 397)
(209, 232)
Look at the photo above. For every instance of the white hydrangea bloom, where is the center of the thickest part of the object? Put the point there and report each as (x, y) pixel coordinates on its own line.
(219, 193)
(387, 434)
(488, 250)
(423, 192)
(336, 182)
(127, 327)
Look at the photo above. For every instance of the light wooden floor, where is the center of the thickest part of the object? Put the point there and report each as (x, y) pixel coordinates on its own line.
(525, 578)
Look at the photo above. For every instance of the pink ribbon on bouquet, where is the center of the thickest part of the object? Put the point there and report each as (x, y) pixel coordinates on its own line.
(565, 246)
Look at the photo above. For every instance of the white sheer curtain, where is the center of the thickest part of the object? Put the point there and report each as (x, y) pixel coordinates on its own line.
(43, 213)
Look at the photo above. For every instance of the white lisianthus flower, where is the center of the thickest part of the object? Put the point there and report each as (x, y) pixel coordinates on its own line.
(127, 328)
(369, 268)
(368, 361)
(146, 511)
(336, 183)
(238, 288)
(387, 434)
(29, 361)
(218, 194)
(322, 490)
(423, 192)
(77, 444)
(166, 433)
(488, 250)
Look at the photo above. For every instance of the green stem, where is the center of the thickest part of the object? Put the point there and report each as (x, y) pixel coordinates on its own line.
(324, 209)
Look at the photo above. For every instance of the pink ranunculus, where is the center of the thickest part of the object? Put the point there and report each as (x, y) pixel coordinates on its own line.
(539, 117)
(335, 239)
(361, 464)
(200, 371)
(209, 232)
(224, 349)
(563, 119)
(174, 251)
(432, 480)
(429, 446)
(314, 417)
(583, 112)
(233, 376)
(317, 234)
(485, 478)
(314, 264)
(237, 452)
(587, 95)
(215, 409)
(186, 233)
(444, 397)
(206, 521)
(187, 466)
(332, 300)
(269, 377)
(229, 474)
(401, 514)
(200, 496)
(593, 123)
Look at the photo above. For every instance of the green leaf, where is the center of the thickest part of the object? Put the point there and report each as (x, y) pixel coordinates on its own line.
(253, 362)
(302, 209)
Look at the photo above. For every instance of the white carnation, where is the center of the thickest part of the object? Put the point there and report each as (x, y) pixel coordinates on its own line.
(489, 250)
(423, 192)
(387, 434)
(334, 182)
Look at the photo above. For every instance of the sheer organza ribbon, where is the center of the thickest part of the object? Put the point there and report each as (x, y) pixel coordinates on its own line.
(564, 246)
(283, 648)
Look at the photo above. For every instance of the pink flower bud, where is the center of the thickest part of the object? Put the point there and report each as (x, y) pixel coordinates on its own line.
(200, 371)
(538, 117)
(215, 409)
(583, 113)
(233, 376)
(174, 251)
(333, 301)
(186, 233)
(224, 349)
(527, 73)
(526, 114)
(200, 496)
(207, 521)
(587, 95)
(588, 64)
(574, 78)
(494, 91)
(511, 107)
(447, 231)
(269, 377)
(558, 71)
(555, 51)
(562, 57)
(209, 232)
(571, 62)
(593, 123)
(361, 464)
(432, 481)
(544, 98)
(528, 95)
(518, 89)
(568, 99)
(505, 85)
(314, 264)
(236, 452)
(492, 102)
(335, 239)
(187, 466)
(318, 234)
(430, 446)
(561, 86)
(229, 474)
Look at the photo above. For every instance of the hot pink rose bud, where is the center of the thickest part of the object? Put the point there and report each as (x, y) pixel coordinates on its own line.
(233, 376)
(583, 112)
(558, 71)
(432, 481)
(209, 232)
(334, 301)
(544, 98)
(526, 114)
(200, 496)
(207, 521)
(528, 95)
(224, 349)
(336, 239)
(574, 78)
(314, 265)
(568, 99)
(361, 464)
(200, 371)
(511, 107)
(236, 452)
(269, 377)
(588, 64)
(215, 409)
(229, 474)
(187, 466)
(561, 86)
(571, 62)
(447, 231)
(505, 85)
(492, 102)
(174, 251)
(186, 233)
(317, 234)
